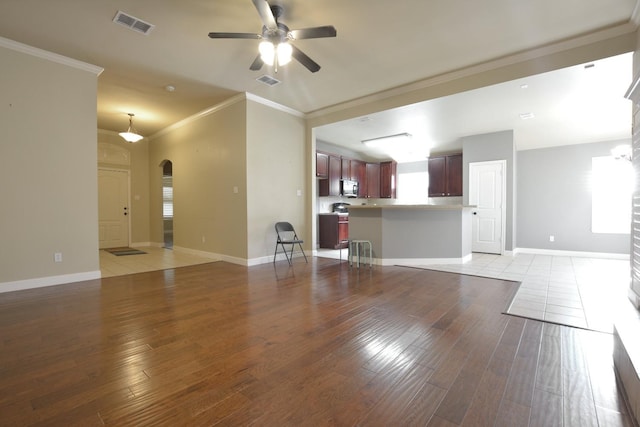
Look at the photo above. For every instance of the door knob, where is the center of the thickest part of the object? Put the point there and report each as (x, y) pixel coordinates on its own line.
(475, 213)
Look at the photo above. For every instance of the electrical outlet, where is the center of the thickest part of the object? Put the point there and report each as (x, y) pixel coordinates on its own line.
(57, 257)
(552, 238)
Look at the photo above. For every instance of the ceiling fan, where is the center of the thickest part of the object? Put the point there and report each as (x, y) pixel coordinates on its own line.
(275, 48)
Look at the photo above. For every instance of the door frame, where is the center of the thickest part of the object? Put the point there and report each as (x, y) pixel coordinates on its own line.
(128, 172)
(503, 209)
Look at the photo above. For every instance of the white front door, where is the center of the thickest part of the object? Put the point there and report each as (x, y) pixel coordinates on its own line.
(487, 183)
(113, 208)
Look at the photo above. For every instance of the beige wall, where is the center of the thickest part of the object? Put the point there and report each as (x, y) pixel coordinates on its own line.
(209, 160)
(139, 179)
(49, 180)
(276, 171)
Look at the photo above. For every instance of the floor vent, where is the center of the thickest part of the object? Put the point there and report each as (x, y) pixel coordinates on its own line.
(268, 80)
(133, 23)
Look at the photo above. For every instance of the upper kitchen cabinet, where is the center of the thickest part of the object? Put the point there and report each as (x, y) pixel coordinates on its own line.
(388, 180)
(322, 165)
(373, 181)
(330, 186)
(353, 170)
(445, 176)
(346, 168)
(359, 173)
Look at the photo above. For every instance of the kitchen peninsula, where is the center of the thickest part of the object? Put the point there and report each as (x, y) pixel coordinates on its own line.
(413, 234)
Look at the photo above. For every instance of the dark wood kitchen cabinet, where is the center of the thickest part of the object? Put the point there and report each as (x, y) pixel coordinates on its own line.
(353, 170)
(322, 165)
(373, 181)
(330, 186)
(445, 176)
(388, 179)
(346, 168)
(333, 231)
(359, 173)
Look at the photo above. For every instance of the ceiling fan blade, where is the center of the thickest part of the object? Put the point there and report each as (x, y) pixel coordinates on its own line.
(234, 36)
(313, 33)
(264, 10)
(302, 58)
(257, 63)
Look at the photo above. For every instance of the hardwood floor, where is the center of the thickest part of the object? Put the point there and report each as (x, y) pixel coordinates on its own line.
(312, 344)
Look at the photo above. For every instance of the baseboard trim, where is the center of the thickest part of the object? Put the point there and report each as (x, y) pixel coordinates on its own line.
(280, 257)
(570, 253)
(146, 244)
(41, 282)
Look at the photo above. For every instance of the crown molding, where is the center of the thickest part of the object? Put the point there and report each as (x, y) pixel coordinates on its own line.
(50, 56)
(274, 105)
(244, 96)
(221, 106)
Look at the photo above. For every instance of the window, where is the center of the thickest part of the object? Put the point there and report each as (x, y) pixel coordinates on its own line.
(167, 196)
(413, 187)
(612, 186)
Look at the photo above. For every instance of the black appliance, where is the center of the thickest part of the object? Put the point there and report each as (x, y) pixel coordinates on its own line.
(340, 208)
(349, 188)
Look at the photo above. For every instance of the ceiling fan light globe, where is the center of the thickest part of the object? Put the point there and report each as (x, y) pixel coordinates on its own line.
(267, 52)
(284, 53)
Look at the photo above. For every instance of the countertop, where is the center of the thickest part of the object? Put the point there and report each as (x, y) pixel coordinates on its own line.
(423, 207)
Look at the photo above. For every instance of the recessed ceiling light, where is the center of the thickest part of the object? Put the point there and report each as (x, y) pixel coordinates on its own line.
(526, 116)
(524, 86)
(169, 88)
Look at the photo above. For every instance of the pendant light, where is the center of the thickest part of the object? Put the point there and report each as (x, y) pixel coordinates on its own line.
(131, 135)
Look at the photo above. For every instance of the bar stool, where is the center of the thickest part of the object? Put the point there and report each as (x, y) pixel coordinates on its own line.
(360, 249)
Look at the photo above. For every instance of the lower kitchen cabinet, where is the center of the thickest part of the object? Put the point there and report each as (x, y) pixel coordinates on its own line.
(333, 231)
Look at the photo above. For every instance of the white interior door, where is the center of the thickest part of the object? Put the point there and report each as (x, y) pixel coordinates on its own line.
(486, 191)
(113, 208)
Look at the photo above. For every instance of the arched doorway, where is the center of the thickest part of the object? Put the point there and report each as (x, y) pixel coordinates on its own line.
(167, 203)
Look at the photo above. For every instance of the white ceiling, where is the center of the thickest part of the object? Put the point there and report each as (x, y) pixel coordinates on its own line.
(580, 104)
(379, 46)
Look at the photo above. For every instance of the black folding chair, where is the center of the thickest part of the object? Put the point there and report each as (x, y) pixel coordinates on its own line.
(287, 236)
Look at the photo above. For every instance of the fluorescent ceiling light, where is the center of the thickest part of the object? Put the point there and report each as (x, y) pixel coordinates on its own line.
(400, 147)
(386, 142)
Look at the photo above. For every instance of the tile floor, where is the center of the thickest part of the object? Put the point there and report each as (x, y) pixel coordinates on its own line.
(575, 291)
(587, 293)
(154, 259)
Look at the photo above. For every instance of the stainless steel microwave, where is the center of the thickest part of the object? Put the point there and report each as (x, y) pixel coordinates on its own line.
(348, 188)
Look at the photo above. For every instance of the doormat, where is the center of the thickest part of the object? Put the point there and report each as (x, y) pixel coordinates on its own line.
(124, 251)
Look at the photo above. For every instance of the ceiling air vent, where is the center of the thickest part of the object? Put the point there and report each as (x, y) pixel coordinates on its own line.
(268, 80)
(133, 23)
